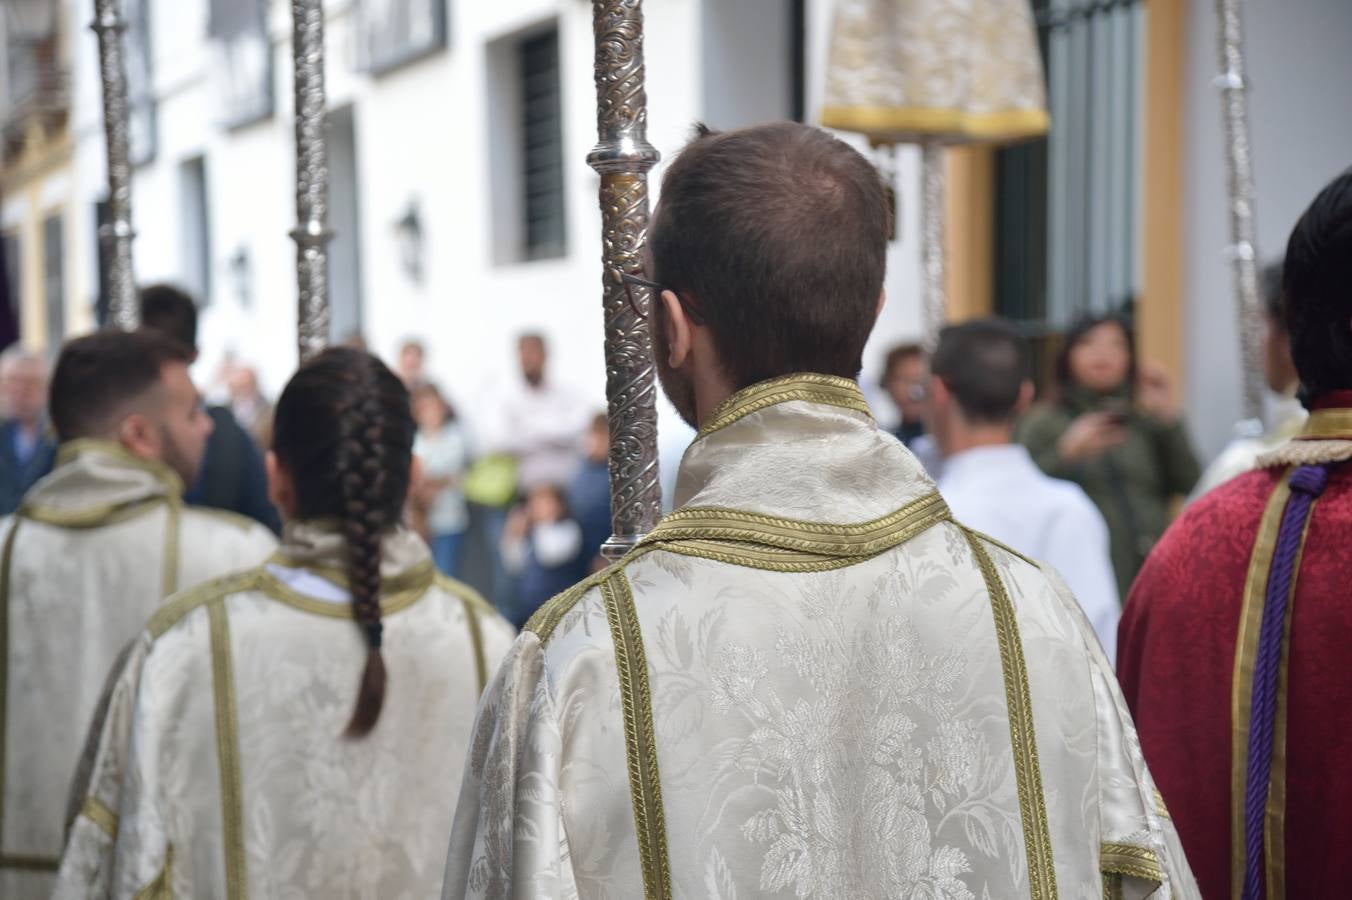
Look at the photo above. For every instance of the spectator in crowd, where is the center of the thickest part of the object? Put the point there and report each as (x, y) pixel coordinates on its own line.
(543, 421)
(981, 382)
(443, 450)
(232, 476)
(589, 493)
(1286, 414)
(906, 380)
(542, 546)
(412, 360)
(27, 449)
(1115, 429)
(250, 408)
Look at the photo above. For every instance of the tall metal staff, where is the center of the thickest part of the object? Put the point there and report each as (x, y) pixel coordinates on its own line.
(311, 233)
(622, 158)
(1243, 247)
(117, 234)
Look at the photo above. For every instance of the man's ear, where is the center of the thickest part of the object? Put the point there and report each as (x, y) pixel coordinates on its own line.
(139, 436)
(940, 396)
(281, 489)
(678, 328)
(1026, 394)
(882, 301)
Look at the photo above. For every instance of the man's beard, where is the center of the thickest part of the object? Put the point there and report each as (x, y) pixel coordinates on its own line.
(175, 458)
(679, 389)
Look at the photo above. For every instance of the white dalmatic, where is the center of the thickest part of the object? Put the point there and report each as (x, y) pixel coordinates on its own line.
(221, 769)
(91, 553)
(809, 681)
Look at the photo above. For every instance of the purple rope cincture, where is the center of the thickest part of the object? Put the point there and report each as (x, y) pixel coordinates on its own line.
(1307, 483)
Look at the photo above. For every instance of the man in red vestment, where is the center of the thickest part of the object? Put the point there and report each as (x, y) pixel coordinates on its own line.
(1233, 651)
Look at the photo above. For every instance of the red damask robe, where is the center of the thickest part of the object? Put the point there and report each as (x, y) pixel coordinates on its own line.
(1194, 613)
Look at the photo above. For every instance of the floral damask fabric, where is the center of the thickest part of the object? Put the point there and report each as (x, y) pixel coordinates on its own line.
(844, 732)
(907, 70)
(75, 596)
(259, 794)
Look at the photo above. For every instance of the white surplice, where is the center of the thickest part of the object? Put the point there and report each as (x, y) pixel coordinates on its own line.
(810, 682)
(1000, 491)
(94, 549)
(221, 770)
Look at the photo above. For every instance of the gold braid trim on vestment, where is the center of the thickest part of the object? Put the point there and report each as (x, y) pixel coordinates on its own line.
(474, 607)
(1131, 861)
(805, 386)
(552, 611)
(1241, 685)
(162, 888)
(227, 750)
(95, 811)
(640, 737)
(1022, 736)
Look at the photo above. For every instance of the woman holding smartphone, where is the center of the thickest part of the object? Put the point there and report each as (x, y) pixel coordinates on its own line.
(1114, 428)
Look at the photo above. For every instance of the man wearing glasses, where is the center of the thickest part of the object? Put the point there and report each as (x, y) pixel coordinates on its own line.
(808, 680)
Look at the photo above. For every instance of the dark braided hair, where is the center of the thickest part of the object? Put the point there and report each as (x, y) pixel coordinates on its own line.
(1317, 290)
(345, 434)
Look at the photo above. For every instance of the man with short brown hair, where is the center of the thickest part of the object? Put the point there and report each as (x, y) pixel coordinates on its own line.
(91, 553)
(808, 680)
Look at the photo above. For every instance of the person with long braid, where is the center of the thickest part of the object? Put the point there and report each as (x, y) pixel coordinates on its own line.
(1232, 648)
(298, 729)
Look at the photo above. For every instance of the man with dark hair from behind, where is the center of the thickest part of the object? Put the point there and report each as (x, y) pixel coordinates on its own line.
(90, 554)
(1233, 646)
(808, 680)
(980, 383)
(1286, 416)
(233, 477)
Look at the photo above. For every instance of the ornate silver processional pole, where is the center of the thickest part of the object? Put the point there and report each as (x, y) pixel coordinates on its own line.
(622, 158)
(117, 234)
(1243, 247)
(311, 233)
(934, 249)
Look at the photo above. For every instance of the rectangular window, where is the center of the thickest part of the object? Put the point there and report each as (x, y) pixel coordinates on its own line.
(11, 258)
(195, 233)
(544, 230)
(53, 279)
(1067, 207)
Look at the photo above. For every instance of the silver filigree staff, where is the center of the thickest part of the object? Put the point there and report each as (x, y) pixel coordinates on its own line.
(311, 233)
(1243, 249)
(117, 234)
(622, 158)
(934, 250)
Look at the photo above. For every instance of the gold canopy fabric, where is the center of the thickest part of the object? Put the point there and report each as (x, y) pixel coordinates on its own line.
(958, 71)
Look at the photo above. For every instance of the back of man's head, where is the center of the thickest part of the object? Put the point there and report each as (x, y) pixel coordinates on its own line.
(103, 377)
(779, 233)
(1317, 290)
(983, 364)
(170, 310)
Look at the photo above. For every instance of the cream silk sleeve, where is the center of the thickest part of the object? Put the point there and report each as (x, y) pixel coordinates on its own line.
(508, 839)
(87, 862)
(1140, 854)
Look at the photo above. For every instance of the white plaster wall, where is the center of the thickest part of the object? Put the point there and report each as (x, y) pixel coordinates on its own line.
(1299, 66)
(422, 131)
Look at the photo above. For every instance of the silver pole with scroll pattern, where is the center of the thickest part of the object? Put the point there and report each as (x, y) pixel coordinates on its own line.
(311, 233)
(117, 234)
(1243, 249)
(934, 247)
(622, 158)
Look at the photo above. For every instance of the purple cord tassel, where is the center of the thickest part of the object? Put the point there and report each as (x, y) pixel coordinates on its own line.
(1306, 483)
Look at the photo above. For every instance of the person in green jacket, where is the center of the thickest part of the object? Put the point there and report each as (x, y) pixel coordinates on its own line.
(1115, 429)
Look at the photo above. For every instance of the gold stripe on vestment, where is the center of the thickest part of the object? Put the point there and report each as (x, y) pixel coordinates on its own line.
(640, 737)
(805, 386)
(1241, 684)
(95, 811)
(162, 888)
(227, 750)
(1131, 861)
(25, 862)
(1022, 735)
(1001, 125)
(1327, 425)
